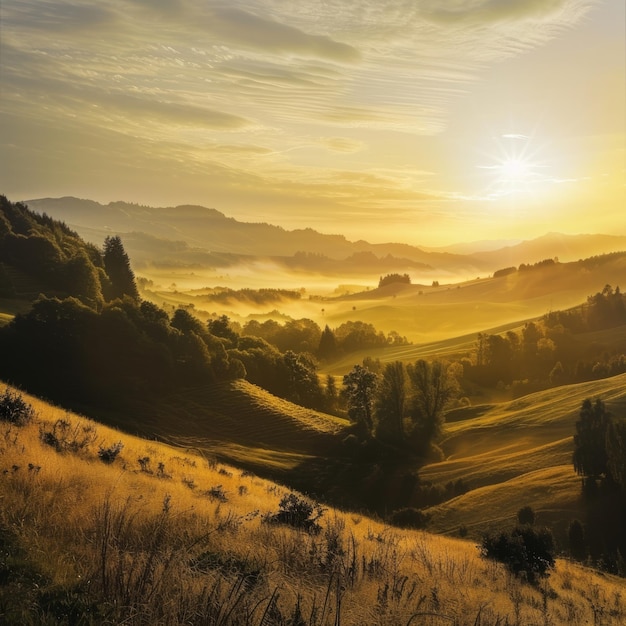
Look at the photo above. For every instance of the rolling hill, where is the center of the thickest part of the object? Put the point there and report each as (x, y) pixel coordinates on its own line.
(153, 533)
(516, 453)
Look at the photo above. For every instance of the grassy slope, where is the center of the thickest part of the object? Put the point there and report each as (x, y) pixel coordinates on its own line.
(239, 422)
(516, 453)
(132, 546)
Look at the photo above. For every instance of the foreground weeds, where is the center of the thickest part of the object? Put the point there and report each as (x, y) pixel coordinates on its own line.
(157, 535)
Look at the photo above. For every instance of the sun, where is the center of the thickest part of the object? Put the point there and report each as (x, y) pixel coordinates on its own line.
(515, 168)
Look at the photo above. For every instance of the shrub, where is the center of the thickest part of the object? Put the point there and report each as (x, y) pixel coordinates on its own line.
(526, 515)
(297, 512)
(409, 517)
(526, 551)
(14, 409)
(66, 437)
(108, 455)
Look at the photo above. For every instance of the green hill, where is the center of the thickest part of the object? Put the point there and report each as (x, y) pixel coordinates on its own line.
(238, 422)
(514, 454)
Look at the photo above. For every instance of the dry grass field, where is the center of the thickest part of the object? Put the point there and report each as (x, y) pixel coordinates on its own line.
(159, 535)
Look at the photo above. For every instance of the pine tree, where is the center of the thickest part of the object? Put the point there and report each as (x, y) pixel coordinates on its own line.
(590, 455)
(117, 266)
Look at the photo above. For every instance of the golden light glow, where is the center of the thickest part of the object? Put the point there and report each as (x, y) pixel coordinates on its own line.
(365, 121)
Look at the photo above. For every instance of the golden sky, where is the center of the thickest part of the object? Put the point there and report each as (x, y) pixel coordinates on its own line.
(422, 121)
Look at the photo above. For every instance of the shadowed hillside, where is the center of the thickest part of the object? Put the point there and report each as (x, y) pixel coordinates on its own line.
(516, 453)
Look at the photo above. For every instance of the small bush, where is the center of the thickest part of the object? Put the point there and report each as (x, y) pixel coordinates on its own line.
(526, 515)
(14, 409)
(409, 517)
(297, 512)
(526, 551)
(217, 493)
(67, 438)
(108, 455)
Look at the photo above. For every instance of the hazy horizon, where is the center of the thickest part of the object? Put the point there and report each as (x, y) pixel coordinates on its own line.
(406, 122)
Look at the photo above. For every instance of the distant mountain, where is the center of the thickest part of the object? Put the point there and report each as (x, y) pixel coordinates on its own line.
(189, 234)
(565, 247)
(206, 229)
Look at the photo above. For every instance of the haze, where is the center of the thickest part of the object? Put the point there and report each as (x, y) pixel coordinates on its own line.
(421, 122)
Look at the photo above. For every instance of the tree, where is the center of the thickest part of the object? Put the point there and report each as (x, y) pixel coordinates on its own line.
(524, 551)
(220, 327)
(117, 267)
(616, 453)
(576, 539)
(359, 387)
(394, 278)
(432, 390)
(391, 402)
(526, 515)
(327, 348)
(590, 456)
(331, 393)
(301, 381)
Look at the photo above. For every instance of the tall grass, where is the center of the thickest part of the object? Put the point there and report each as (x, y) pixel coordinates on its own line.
(162, 536)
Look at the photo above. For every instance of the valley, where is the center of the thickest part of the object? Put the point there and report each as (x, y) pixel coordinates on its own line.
(220, 380)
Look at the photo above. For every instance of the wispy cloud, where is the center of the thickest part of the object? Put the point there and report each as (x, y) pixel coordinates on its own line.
(236, 93)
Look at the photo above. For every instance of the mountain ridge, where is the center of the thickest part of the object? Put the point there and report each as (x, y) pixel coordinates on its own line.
(211, 230)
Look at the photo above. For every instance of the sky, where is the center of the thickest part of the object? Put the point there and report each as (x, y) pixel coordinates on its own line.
(428, 122)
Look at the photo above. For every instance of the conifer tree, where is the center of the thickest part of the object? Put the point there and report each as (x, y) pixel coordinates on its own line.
(117, 266)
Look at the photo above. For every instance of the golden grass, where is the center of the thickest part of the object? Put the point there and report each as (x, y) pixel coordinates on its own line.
(185, 542)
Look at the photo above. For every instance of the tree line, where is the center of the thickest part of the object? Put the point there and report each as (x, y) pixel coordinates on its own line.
(549, 352)
(404, 405)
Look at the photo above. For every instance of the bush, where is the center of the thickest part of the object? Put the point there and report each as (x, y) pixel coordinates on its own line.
(67, 437)
(14, 409)
(108, 455)
(526, 515)
(409, 517)
(526, 551)
(297, 512)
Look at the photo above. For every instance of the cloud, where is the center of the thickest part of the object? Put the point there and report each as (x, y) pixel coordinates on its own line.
(243, 94)
(343, 144)
(249, 30)
(54, 16)
(486, 11)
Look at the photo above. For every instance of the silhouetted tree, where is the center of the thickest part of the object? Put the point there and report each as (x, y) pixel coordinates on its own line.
(576, 538)
(524, 550)
(220, 327)
(390, 403)
(332, 395)
(117, 266)
(432, 389)
(590, 457)
(301, 381)
(359, 387)
(616, 453)
(394, 278)
(327, 348)
(526, 515)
